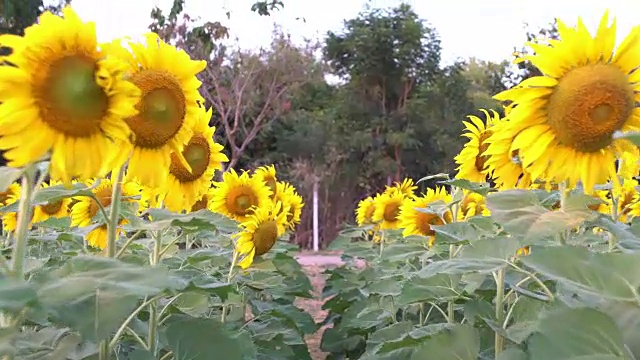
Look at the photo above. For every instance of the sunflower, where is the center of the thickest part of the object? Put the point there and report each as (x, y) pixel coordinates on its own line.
(472, 160)
(267, 174)
(168, 106)
(629, 164)
(237, 196)
(626, 197)
(418, 222)
(98, 236)
(53, 209)
(8, 197)
(502, 161)
(84, 211)
(259, 233)
(291, 200)
(204, 202)
(473, 204)
(406, 187)
(183, 187)
(64, 96)
(364, 212)
(387, 208)
(564, 120)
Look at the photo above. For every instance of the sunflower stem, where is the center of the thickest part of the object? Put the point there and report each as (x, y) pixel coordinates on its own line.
(153, 306)
(22, 226)
(564, 195)
(229, 277)
(499, 340)
(114, 212)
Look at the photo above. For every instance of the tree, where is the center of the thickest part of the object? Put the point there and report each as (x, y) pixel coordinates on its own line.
(525, 69)
(485, 79)
(17, 15)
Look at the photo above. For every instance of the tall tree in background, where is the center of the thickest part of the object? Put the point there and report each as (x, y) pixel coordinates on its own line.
(525, 69)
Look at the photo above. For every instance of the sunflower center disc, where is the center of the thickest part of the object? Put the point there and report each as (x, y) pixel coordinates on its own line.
(425, 221)
(104, 196)
(52, 208)
(197, 154)
(242, 203)
(265, 237)
(71, 101)
(391, 212)
(161, 110)
(589, 104)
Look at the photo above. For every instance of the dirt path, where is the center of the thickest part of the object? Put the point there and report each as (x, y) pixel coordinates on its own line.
(314, 265)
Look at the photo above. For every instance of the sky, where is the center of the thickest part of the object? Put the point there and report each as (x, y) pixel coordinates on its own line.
(484, 29)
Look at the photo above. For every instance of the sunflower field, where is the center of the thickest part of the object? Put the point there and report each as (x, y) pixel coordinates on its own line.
(123, 238)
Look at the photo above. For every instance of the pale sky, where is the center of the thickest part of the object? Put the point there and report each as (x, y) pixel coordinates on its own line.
(485, 29)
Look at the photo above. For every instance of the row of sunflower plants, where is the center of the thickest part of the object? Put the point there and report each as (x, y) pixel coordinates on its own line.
(533, 250)
(116, 243)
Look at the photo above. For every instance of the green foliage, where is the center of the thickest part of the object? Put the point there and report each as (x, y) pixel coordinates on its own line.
(574, 296)
(74, 298)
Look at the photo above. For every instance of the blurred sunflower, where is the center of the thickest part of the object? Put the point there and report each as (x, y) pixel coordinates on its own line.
(288, 196)
(472, 160)
(387, 208)
(11, 196)
(418, 222)
(406, 188)
(183, 187)
(629, 164)
(98, 236)
(237, 196)
(626, 198)
(64, 96)
(55, 209)
(204, 202)
(364, 211)
(564, 120)
(259, 233)
(85, 209)
(473, 204)
(168, 106)
(268, 175)
(502, 161)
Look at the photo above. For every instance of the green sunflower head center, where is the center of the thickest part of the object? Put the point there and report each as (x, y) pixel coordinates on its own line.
(391, 212)
(241, 200)
(265, 236)
(71, 100)
(197, 154)
(588, 105)
(482, 159)
(52, 208)
(161, 109)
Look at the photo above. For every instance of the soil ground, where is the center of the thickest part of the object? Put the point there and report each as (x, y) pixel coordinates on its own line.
(314, 264)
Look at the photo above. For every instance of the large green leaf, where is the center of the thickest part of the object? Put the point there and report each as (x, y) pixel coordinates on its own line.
(55, 193)
(437, 288)
(201, 220)
(579, 333)
(480, 188)
(94, 294)
(16, 295)
(202, 339)
(521, 213)
(460, 342)
(614, 276)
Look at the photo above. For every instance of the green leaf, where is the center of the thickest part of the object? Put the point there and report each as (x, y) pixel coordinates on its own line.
(8, 176)
(512, 353)
(297, 317)
(437, 288)
(480, 188)
(94, 294)
(521, 214)
(461, 342)
(16, 295)
(614, 276)
(55, 193)
(579, 333)
(201, 220)
(633, 136)
(202, 339)
(455, 233)
(389, 286)
(192, 303)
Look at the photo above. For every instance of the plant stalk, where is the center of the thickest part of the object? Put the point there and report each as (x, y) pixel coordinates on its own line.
(114, 213)
(153, 306)
(499, 340)
(234, 261)
(450, 309)
(22, 228)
